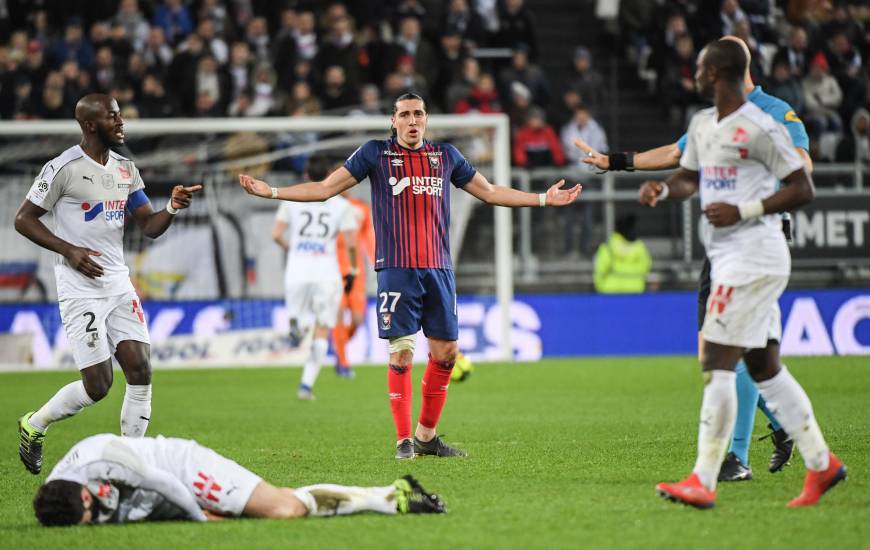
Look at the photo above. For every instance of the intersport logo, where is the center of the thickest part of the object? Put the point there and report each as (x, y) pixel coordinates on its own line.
(425, 185)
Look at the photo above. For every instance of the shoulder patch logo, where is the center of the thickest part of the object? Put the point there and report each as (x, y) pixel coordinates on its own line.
(792, 117)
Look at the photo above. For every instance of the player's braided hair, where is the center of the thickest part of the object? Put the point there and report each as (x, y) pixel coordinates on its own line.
(58, 503)
(403, 97)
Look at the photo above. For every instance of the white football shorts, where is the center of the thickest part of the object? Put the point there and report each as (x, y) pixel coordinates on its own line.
(218, 483)
(95, 326)
(314, 300)
(745, 316)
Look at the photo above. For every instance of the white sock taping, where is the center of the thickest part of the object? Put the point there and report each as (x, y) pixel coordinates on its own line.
(136, 410)
(789, 403)
(718, 412)
(338, 500)
(68, 401)
(315, 360)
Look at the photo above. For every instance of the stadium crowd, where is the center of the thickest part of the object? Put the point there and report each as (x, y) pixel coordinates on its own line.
(212, 58)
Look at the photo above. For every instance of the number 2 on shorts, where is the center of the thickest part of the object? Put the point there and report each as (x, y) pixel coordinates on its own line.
(90, 327)
(385, 297)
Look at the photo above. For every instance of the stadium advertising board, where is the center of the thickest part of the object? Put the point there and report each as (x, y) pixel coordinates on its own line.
(822, 322)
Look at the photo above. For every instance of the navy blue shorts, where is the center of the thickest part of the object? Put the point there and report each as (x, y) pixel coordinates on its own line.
(410, 299)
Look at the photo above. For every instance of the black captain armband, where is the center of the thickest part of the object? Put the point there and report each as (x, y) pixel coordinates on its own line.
(621, 161)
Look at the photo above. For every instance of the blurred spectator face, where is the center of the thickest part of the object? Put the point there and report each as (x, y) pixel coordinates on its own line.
(370, 97)
(335, 11)
(410, 29)
(520, 60)
(341, 26)
(100, 32)
(536, 120)
(405, 65)
(152, 86)
(173, 5)
(582, 63)
(18, 41)
(264, 74)
(204, 103)
(156, 37)
(572, 99)
(743, 31)
(862, 123)
(257, 27)
(781, 72)
(54, 79)
(301, 91)
(677, 24)
(70, 69)
(394, 85)
(207, 65)
(729, 7)
(685, 48)
(798, 39)
(302, 70)
(840, 43)
(334, 77)
(194, 44)
(104, 57)
(136, 64)
(581, 117)
(305, 22)
(470, 70)
(40, 22)
(205, 29)
(451, 43)
(129, 7)
(486, 83)
(34, 53)
(514, 6)
(288, 18)
(240, 53)
(119, 32)
(52, 98)
(73, 32)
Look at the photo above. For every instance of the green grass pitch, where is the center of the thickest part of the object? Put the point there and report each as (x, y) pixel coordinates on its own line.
(563, 454)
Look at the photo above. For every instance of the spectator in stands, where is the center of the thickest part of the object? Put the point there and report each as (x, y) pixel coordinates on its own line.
(121, 47)
(450, 58)
(135, 72)
(105, 73)
(411, 78)
(405, 9)
(536, 144)
(483, 97)
(678, 81)
(410, 41)
(842, 21)
(517, 25)
(855, 145)
(284, 53)
(240, 68)
(215, 44)
(216, 12)
(373, 55)
(180, 75)
(24, 106)
(822, 96)
(72, 89)
(212, 81)
(523, 71)
(205, 106)
(586, 80)
(73, 45)
(173, 17)
(302, 100)
(153, 101)
(582, 126)
(157, 53)
(795, 54)
(53, 106)
(562, 111)
(461, 21)
(520, 103)
(99, 35)
(34, 66)
(337, 93)
(623, 262)
(845, 61)
(743, 31)
(461, 88)
(257, 36)
(264, 95)
(338, 49)
(40, 28)
(369, 102)
(134, 22)
(785, 86)
(305, 35)
(730, 14)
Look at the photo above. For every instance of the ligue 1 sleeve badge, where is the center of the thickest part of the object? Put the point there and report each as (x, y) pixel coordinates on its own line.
(386, 321)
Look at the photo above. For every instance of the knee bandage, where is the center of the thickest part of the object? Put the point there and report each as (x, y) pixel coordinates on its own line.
(402, 343)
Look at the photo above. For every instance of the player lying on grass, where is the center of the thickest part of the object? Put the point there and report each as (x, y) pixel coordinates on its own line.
(734, 156)
(107, 478)
(736, 465)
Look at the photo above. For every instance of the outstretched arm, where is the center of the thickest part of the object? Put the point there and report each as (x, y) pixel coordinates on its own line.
(153, 223)
(314, 191)
(660, 158)
(27, 223)
(499, 195)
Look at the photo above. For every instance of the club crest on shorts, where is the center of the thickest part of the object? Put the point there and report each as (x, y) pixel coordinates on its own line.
(92, 339)
(386, 321)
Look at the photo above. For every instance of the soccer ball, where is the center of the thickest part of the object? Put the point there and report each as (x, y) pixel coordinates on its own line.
(462, 369)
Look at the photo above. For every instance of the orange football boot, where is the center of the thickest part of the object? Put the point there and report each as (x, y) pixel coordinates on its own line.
(817, 484)
(689, 491)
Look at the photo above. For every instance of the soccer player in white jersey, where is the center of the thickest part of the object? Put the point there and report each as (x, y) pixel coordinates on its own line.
(107, 478)
(312, 280)
(735, 154)
(90, 189)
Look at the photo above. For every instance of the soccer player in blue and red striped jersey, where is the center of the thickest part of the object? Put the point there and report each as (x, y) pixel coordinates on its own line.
(410, 180)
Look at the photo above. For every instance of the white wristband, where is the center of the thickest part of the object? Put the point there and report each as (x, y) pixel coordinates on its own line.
(172, 211)
(750, 209)
(542, 199)
(274, 192)
(663, 194)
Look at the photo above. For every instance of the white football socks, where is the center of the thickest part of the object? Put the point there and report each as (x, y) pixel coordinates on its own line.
(718, 412)
(338, 500)
(315, 360)
(136, 410)
(789, 403)
(68, 401)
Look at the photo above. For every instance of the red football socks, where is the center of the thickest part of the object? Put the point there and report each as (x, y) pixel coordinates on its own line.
(399, 383)
(435, 382)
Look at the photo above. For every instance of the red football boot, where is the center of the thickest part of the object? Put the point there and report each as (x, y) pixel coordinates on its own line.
(817, 484)
(689, 491)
